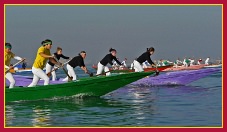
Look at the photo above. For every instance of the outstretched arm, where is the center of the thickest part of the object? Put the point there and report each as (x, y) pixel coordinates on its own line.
(17, 58)
(64, 57)
(118, 62)
(46, 56)
(149, 60)
(52, 60)
(84, 68)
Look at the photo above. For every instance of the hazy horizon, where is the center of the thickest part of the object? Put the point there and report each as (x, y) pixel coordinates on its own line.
(174, 31)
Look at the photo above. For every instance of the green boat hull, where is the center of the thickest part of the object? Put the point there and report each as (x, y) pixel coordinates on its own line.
(93, 86)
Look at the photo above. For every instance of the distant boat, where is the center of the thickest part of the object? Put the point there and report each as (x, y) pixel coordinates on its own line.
(193, 67)
(212, 66)
(126, 69)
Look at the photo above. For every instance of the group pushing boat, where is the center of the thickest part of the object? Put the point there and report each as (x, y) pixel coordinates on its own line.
(31, 89)
(40, 86)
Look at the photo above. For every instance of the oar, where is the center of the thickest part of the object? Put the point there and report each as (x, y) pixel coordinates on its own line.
(70, 78)
(103, 73)
(14, 65)
(156, 72)
(90, 74)
(56, 68)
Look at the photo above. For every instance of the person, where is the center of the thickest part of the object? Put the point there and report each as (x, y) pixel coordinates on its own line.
(165, 63)
(76, 61)
(191, 62)
(145, 64)
(124, 62)
(107, 59)
(115, 63)
(199, 61)
(132, 65)
(8, 56)
(24, 65)
(159, 62)
(207, 61)
(177, 62)
(43, 54)
(142, 58)
(186, 62)
(116, 66)
(58, 54)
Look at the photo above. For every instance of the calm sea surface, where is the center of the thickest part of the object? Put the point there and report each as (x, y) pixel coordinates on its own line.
(196, 104)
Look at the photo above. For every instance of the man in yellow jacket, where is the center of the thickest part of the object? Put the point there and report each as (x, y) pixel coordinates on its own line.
(8, 56)
(42, 56)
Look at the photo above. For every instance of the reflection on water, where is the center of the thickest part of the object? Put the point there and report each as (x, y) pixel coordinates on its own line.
(9, 114)
(41, 117)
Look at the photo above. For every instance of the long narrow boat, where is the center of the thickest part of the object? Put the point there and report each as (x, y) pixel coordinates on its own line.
(212, 66)
(193, 67)
(93, 86)
(125, 69)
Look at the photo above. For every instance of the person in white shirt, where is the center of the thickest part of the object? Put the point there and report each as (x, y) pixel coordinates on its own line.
(191, 62)
(124, 62)
(159, 63)
(207, 61)
(145, 64)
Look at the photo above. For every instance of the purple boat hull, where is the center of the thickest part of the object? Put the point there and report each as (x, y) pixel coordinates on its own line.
(176, 78)
(168, 78)
(24, 81)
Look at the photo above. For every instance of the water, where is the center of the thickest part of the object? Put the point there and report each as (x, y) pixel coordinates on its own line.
(196, 104)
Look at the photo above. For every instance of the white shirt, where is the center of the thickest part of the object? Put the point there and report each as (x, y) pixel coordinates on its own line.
(192, 61)
(206, 62)
(115, 63)
(124, 63)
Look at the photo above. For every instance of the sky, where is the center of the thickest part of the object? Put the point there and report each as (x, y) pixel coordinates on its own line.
(174, 31)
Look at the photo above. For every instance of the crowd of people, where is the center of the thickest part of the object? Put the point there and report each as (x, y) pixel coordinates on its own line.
(44, 59)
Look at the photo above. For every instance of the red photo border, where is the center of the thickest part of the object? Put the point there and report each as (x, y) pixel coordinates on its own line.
(2, 122)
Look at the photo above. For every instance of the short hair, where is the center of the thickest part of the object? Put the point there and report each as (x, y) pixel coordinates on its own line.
(82, 52)
(111, 49)
(59, 48)
(8, 44)
(150, 49)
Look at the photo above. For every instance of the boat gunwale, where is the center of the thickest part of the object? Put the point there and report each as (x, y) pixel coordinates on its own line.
(75, 83)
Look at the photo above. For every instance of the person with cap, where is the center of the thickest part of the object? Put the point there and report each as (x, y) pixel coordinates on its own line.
(142, 58)
(107, 59)
(58, 54)
(8, 56)
(199, 61)
(43, 54)
(76, 61)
